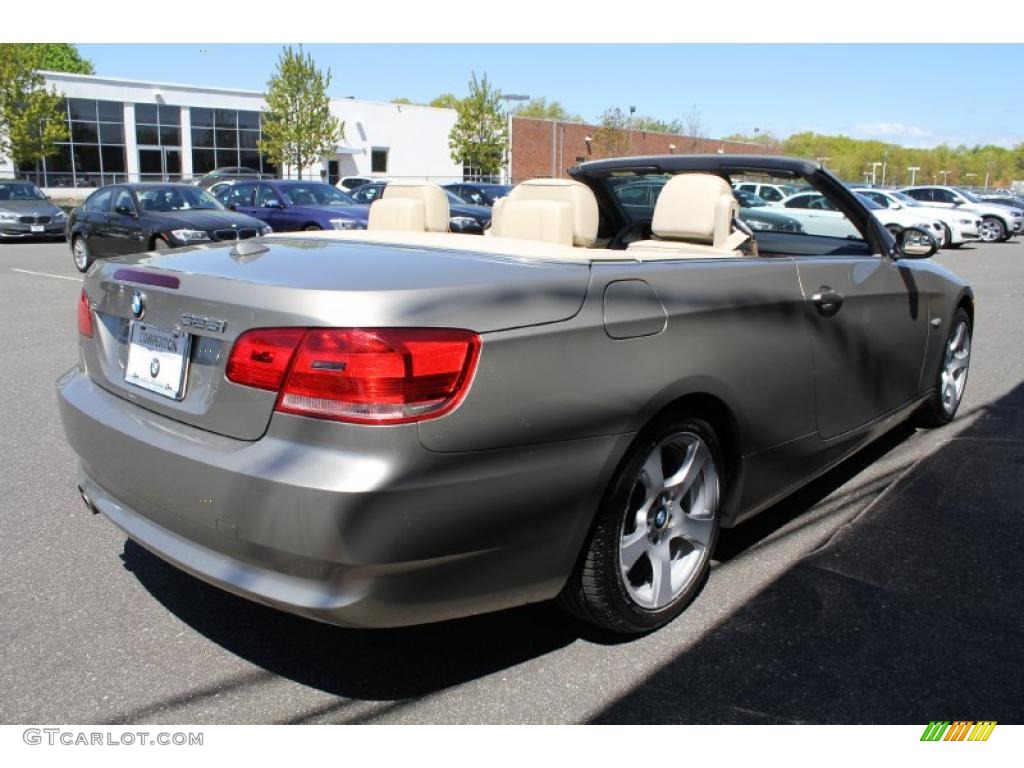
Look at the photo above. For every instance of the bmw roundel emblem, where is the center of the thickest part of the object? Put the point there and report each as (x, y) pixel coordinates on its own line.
(154, 367)
(138, 304)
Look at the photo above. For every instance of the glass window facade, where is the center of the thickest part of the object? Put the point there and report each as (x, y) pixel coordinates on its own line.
(227, 138)
(94, 153)
(158, 136)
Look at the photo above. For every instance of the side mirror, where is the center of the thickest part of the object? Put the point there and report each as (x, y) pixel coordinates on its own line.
(913, 243)
(893, 205)
(125, 210)
(273, 203)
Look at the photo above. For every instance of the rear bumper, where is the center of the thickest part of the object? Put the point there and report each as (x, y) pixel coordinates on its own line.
(386, 534)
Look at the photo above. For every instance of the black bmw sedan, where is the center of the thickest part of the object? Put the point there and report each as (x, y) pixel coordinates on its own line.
(134, 218)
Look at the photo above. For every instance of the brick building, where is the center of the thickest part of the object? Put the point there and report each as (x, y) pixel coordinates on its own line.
(548, 148)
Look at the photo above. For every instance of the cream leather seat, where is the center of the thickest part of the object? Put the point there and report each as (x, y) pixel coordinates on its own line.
(410, 207)
(557, 211)
(693, 216)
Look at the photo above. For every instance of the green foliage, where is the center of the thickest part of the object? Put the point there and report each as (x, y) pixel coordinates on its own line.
(852, 159)
(445, 101)
(655, 125)
(57, 57)
(402, 100)
(479, 138)
(612, 136)
(298, 127)
(541, 109)
(32, 118)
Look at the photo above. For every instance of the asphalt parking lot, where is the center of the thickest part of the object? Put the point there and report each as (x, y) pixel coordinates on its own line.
(888, 591)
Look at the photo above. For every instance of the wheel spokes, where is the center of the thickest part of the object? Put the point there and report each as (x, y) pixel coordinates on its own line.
(632, 547)
(682, 479)
(661, 579)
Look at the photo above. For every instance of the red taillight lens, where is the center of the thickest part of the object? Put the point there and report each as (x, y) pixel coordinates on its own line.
(380, 376)
(84, 315)
(260, 358)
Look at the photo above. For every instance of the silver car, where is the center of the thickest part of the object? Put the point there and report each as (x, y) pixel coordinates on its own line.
(403, 425)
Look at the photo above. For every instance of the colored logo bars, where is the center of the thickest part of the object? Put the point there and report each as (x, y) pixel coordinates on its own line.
(959, 730)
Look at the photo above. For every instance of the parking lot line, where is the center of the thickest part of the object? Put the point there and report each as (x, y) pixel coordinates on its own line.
(46, 274)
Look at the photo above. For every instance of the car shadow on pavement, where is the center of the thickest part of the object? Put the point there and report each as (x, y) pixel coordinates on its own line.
(409, 663)
(912, 611)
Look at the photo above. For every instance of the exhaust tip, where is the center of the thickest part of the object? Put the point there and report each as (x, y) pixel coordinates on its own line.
(88, 502)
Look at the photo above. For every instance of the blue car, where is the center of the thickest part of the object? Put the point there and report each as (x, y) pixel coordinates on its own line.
(290, 206)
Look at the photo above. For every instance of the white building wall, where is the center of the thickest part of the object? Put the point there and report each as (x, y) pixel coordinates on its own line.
(416, 137)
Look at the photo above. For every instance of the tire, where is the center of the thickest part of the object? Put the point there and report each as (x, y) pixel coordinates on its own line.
(159, 244)
(649, 552)
(311, 228)
(948, 392)
(992, 229)
(948, 237)
(80, 254)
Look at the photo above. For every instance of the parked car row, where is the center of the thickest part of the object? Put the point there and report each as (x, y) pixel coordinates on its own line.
(25, 211)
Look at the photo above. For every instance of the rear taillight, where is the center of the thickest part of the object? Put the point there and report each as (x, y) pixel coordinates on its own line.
(84, 315)
(260, 358)
(359, 375)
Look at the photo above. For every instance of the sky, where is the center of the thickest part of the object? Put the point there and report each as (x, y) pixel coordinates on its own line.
(913, 95)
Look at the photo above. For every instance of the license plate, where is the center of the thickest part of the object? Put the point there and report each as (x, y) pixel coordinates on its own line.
(38, 228)
(157, 359)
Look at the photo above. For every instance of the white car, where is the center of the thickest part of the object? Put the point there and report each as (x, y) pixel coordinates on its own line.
(998, 223)
(959, 226)
(770, 193)
(820, 217)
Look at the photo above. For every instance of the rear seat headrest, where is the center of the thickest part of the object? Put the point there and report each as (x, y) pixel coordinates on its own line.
(546, 214)
(697, 208)
(406, 206)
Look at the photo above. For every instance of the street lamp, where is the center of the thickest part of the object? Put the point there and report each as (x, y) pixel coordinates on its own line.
(945, 176)
(913, 173)
(874, 168)
(970, 176)
(823, 160)
(509, 98)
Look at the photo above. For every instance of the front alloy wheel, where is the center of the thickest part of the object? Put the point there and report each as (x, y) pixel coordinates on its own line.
(945, 397)
(650, 551)
(992, 229)
(80, 253)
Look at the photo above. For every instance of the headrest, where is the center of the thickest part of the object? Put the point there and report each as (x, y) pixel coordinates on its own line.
(582, 206)
(433, 198)
(401, 214)
(548, 221)
(697, 208)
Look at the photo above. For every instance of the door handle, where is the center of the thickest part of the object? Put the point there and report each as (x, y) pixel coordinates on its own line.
(827, 300)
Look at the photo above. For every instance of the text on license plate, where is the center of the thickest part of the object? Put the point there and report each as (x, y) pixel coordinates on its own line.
(157, 359)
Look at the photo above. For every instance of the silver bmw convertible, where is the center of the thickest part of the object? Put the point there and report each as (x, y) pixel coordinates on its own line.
(403, 425)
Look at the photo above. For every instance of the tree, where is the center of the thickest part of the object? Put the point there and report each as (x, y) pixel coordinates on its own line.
(445, 101)
(298, 127)
(402, 100)
(612, 136)
(32, 119)
(540, 109)
(694, 129)
(655, 125)
(479, 138)
(56, 57)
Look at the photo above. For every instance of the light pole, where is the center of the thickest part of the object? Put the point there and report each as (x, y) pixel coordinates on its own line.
(823, 160)
(885, 160)
(867, 175)
(970, 176)
(874, 168)
(945, 176)
(509, 98)
(913, 173)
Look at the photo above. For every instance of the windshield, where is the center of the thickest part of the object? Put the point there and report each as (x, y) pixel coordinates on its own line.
(749, 200)
(315, 193)
(907, 200)
(20, 190)
(870, 204)
(453, 198)
(969, 195)
(176, 198)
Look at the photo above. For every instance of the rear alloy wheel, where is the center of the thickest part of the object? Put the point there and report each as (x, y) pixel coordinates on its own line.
(311, 228)
(650, 551)
(80, 253)
(942, 405)
(992, 229)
